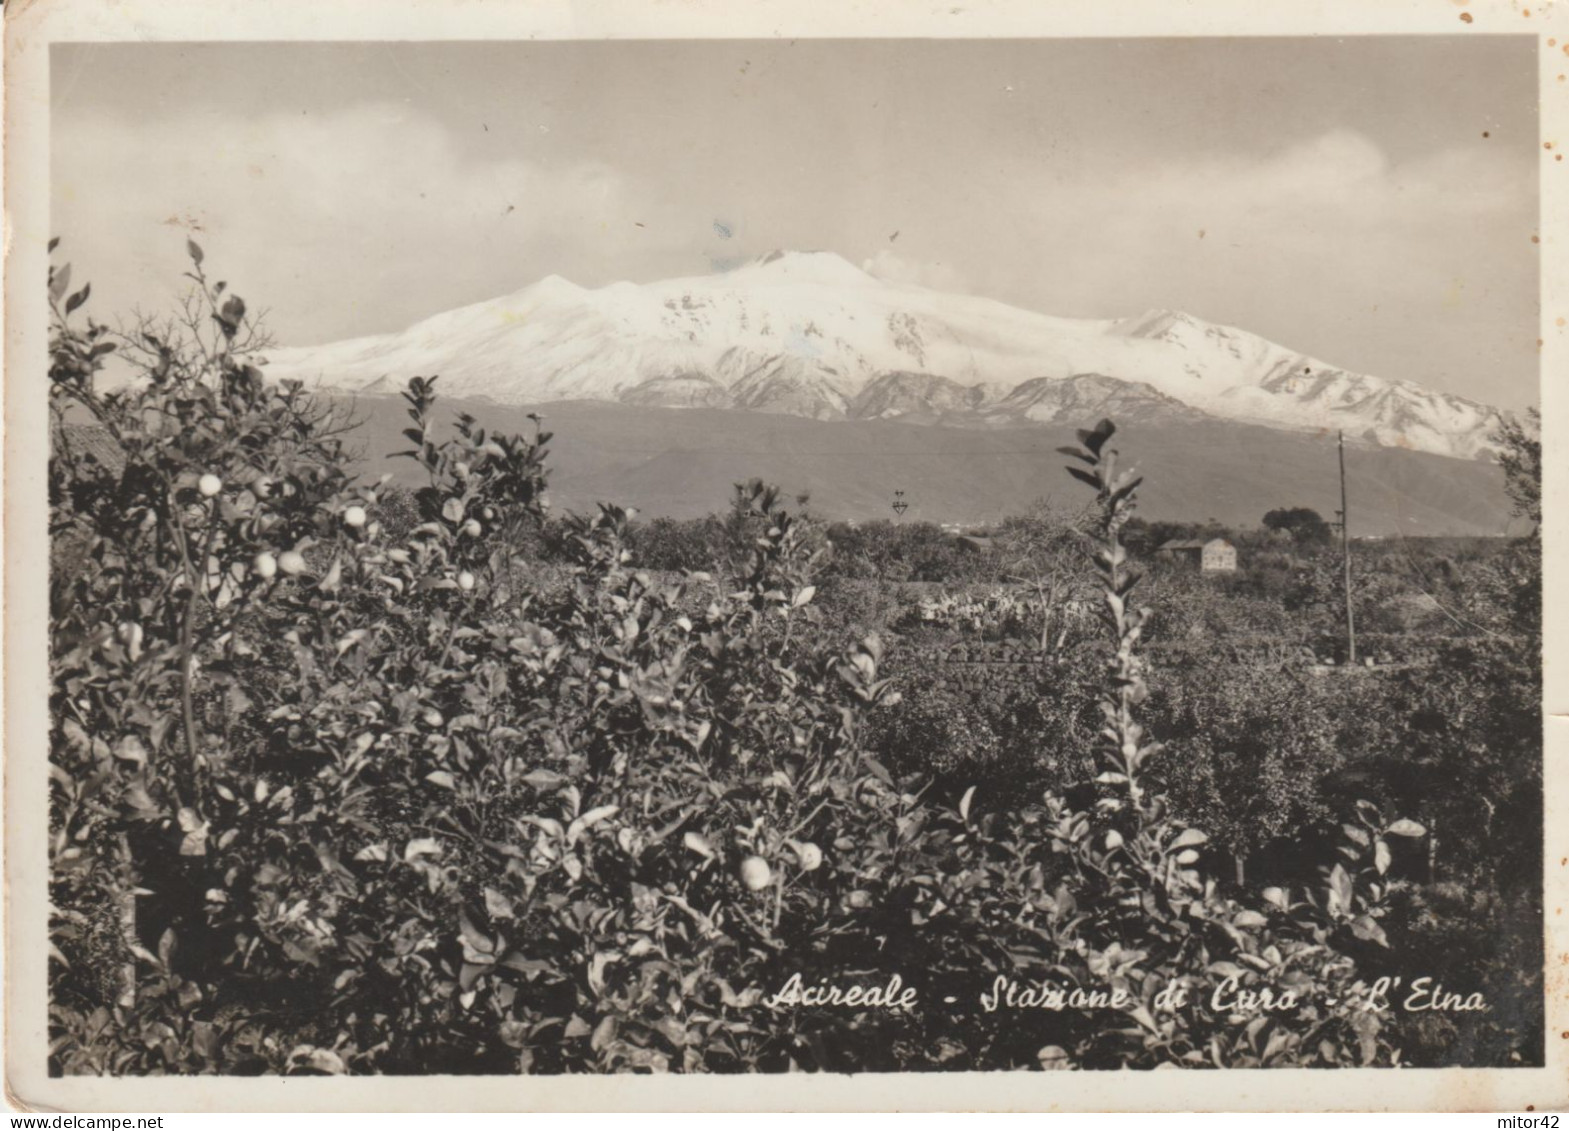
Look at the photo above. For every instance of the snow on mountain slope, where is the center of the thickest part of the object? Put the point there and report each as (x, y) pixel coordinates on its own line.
(809, 334)
(1088, 396)
(914, 396)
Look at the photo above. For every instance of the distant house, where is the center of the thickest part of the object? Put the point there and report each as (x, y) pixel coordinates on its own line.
(1214, 556)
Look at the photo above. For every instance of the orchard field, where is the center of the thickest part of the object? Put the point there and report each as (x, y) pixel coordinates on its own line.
(347, 778)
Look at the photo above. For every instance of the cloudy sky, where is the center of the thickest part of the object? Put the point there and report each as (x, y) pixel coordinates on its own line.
(1370, 201)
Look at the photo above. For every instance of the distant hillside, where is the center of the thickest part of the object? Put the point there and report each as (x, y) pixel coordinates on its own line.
(682, 462)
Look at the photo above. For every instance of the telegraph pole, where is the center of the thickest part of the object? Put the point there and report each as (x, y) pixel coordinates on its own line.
(1345, 553)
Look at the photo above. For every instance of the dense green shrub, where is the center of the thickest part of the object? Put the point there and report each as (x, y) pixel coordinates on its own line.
(1303, 524)
(899, 551)
(940, 731)
(670, 544)
(1249, 750)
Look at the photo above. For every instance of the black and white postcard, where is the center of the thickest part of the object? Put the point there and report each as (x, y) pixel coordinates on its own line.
(777, 556)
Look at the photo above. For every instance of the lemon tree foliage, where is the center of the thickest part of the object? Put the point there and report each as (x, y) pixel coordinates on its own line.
(329, 800)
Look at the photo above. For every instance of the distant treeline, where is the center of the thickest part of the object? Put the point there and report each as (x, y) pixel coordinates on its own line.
(1018, 548)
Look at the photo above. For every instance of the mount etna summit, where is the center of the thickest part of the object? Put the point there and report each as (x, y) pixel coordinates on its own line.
(810, 335)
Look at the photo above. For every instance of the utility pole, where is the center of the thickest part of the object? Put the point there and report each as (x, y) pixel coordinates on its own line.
(1345, 553)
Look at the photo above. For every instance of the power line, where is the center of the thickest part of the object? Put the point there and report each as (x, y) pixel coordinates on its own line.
(1345, 551)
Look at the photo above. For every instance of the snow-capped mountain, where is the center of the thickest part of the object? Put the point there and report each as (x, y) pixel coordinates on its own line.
(809, 334)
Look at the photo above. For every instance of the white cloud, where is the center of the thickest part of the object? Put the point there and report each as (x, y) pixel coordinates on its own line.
(897, 269)
(1343, 173)
(1327, 245)
(369, 213)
